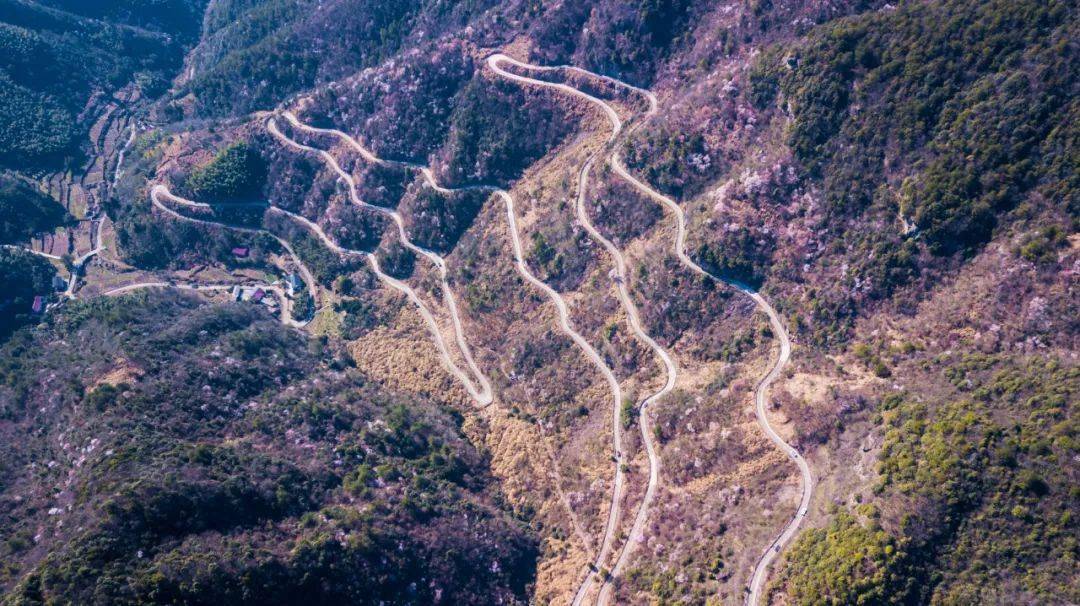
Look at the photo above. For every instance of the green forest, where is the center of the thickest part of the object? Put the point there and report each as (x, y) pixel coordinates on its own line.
(24, 275)
(52, 62)
(977, 101)
(972, 502)
(957, 119)
(236, 174)
(25, 211)
(198, 495)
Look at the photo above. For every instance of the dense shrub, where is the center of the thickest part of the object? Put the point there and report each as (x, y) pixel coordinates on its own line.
(147, 240)
(736, 256)
(237, 464)
(437, 221)
(32, 126)
(395, 259)
(485, 141)
(179, 18)
(961, 95)
(405, 119)
(978, 506)
(236, 173)
(25, 211)
(672, 161)
(24, 276)
(279, 48)
(624, 38)
(847, 563)
(326, 265)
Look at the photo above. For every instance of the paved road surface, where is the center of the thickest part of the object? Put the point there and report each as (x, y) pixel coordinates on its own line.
(621, 285)
(483, 394)
(761, 392)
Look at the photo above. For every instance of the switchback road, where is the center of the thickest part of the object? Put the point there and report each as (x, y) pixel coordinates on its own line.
(679, 247)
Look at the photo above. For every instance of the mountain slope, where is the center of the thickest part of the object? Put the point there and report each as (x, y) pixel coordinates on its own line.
(205, 454)
(894, 184)
(60, 57)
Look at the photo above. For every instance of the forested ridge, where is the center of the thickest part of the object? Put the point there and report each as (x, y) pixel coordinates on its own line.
(55, 57)
(223, 458)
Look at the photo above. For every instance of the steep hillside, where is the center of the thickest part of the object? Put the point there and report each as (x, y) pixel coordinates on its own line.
(25, 211)
(727, 302)
(254, 54)
(59, 58)
(204, 454)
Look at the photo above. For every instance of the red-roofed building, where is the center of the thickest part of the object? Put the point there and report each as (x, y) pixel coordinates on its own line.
(240, 252)
(39, 304)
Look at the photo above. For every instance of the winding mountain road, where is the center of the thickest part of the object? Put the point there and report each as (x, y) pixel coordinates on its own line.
(621, 284)
(78, 264)
(619, 487)
(565, 323)
(160, 191)
(760, 572)
(761, 392)
(561, 307)
(403, 288)
(483, 395)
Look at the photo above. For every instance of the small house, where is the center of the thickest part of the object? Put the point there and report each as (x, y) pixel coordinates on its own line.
(59, 284)
(39, 304)
(240, 252)
(237, 293)
(294, 284)
(258, 295)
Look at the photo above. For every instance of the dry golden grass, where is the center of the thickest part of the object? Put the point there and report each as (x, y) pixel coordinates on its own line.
(327, 321)
(745, 473)
(122, 372)
(524, 463)
(404, 358)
